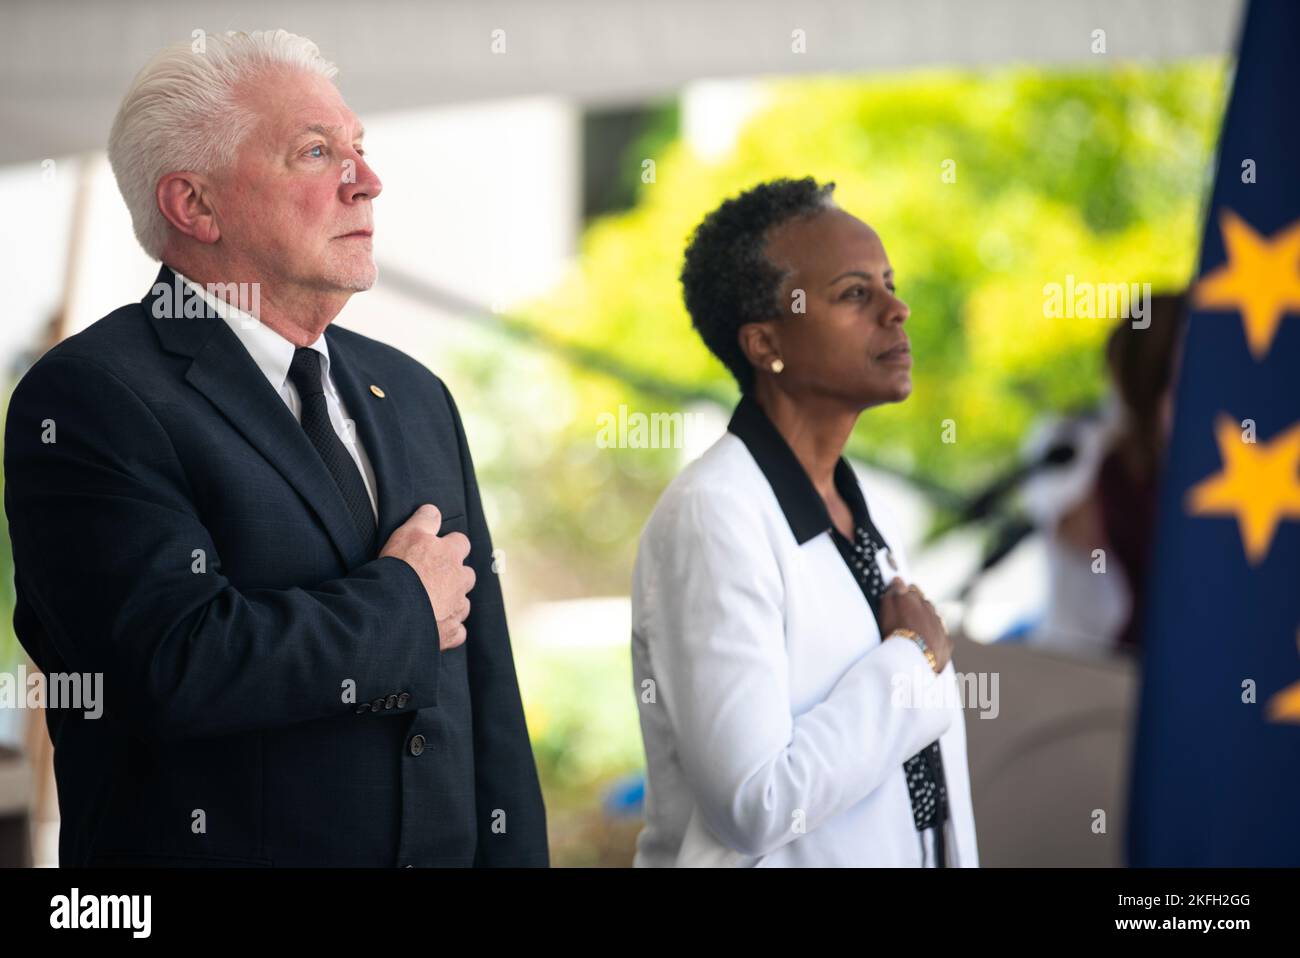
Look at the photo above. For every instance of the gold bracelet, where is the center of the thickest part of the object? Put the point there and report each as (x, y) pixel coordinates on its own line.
(929, 654)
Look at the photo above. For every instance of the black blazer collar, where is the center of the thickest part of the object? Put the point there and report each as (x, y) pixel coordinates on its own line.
(795, 492)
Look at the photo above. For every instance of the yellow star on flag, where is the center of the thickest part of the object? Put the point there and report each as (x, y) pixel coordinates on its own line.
(1259, 484)
(1284, 706)
(1261, 279)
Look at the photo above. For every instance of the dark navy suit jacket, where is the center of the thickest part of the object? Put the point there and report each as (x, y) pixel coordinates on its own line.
(181, 536)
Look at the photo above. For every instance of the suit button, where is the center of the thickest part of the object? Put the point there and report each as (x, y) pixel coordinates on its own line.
(403, 699)
(390, 701)
(377, 704)
(363, 708)
(417, 745)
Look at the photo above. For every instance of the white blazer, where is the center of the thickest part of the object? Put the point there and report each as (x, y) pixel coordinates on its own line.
(775, 720)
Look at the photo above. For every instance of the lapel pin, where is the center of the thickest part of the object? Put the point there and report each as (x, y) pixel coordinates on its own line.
(376, 390)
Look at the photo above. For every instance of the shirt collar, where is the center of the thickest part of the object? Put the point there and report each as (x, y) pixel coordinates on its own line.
(795, 492)
(272, 353)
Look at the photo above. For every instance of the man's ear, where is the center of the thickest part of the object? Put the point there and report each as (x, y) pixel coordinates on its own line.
(758, 341)
(184, 201)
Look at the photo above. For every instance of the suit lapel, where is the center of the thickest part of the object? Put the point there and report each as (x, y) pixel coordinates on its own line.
(379, 431)
(224, 372)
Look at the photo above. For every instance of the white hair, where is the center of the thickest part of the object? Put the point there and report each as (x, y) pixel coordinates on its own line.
(181, 113)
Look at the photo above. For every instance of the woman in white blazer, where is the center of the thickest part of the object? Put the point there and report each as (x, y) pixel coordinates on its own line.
(797, 699)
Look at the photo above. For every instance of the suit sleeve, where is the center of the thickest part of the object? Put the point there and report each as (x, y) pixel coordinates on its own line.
(761, 775)
(104, 535)
(508, 797)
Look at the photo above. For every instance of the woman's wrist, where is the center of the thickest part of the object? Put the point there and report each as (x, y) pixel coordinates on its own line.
(921, 643)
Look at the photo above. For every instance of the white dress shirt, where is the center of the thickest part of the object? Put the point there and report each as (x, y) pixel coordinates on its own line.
(273, 355)
(770, 709)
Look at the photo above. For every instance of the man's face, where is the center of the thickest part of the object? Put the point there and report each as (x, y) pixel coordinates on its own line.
(296, 201)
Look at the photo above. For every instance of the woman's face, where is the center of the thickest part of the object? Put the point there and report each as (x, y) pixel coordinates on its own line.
(849, 343)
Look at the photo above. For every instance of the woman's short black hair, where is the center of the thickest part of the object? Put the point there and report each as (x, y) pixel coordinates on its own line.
(726, 280)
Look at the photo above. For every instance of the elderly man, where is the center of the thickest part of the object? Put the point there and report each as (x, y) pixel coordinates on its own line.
(264, 531)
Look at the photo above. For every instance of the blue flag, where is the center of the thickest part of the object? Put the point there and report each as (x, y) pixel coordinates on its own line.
(1216, 761)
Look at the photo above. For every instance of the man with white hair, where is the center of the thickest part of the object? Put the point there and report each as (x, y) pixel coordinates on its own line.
(261, 529)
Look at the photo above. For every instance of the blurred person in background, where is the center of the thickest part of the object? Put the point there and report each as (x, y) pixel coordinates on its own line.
(798, 701)
(1102, 507)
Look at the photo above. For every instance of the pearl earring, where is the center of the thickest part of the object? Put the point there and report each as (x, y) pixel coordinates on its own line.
(777, 366)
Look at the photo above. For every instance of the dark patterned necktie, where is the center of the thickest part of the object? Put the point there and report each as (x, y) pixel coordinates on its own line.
(305, 374)
(924, 770)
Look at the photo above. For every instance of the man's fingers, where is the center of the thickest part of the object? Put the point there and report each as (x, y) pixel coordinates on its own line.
(451, 630)
(453, 634)
(430, 513)
(459, 543)
(459, 613)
